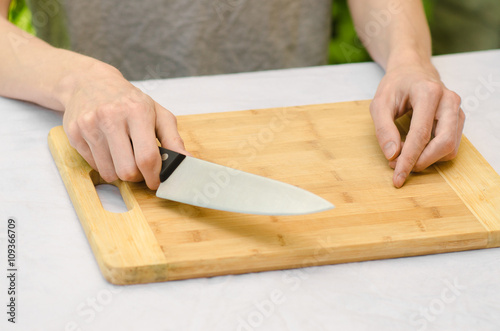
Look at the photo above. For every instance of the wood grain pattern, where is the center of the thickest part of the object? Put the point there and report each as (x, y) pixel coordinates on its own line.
(330, 150)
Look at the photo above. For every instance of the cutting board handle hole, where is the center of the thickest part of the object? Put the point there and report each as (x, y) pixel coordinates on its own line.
(111, 198)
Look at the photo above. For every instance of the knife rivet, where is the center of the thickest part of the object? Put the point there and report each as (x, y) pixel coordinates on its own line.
(164, 157)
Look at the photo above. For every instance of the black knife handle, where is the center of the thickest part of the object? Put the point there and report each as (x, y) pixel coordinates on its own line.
(170, 160)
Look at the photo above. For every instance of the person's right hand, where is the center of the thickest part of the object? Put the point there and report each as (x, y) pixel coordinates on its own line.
(114, 126)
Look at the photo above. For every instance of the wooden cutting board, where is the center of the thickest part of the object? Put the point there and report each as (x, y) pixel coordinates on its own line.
(328, 149)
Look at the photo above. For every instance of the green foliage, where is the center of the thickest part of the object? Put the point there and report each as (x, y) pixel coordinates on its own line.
(428, 6)
(345, 46)
(20, 15)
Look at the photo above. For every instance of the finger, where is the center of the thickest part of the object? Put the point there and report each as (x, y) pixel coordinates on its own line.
(122, 154)
(167, 132)
(86, 153)
(454, 153)
(77, 142)
(388, 136)
(425, 106)
(461, 123)
(448, 132)
(392, 163)
(145, 147)
(94, 140)
(102, 158)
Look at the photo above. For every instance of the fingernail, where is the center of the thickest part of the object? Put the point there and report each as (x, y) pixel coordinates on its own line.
(400, 179)
(390, 150)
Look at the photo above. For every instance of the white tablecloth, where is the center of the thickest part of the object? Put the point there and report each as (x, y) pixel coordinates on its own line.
(59, 285)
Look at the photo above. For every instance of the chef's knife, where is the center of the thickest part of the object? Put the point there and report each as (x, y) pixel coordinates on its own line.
(201, 183)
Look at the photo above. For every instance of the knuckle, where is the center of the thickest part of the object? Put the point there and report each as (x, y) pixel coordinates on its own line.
(147, 160)
(108, 175)
(455, 99)
(168, 115)
(177, 140)
(449, 145)
(108, 116)
(461, 115)
(74, 136)
(453, 153)
(431, 89)
(172, 118)
(411, 159)
(133, 106)
(450, 156)
(87, 121)
(376, 106)
(381, 134)
(72, 130)
(139, 101)
(81, 146)
(128, 173)
(103, 112)
(88, 128)
(422, 135)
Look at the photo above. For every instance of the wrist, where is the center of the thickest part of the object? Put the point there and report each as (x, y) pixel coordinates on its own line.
(410, 58)
(80, 72)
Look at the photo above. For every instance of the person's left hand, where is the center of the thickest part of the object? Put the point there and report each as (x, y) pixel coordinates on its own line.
(436, 124)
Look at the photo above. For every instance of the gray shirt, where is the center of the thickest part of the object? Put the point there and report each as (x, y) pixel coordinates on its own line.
(173, 38)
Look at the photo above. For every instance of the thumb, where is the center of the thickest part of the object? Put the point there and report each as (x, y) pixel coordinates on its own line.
(386, 131)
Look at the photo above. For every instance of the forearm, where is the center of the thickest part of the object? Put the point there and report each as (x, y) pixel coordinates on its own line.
(4, 8)
(34, 71)
(394, 32)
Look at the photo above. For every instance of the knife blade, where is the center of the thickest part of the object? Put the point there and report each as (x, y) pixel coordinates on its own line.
(205, 184)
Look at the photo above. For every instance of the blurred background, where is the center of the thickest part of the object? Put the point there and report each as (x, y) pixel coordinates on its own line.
(456, 26)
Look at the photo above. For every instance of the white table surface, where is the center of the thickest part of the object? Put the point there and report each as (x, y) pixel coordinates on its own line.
(60, 287)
